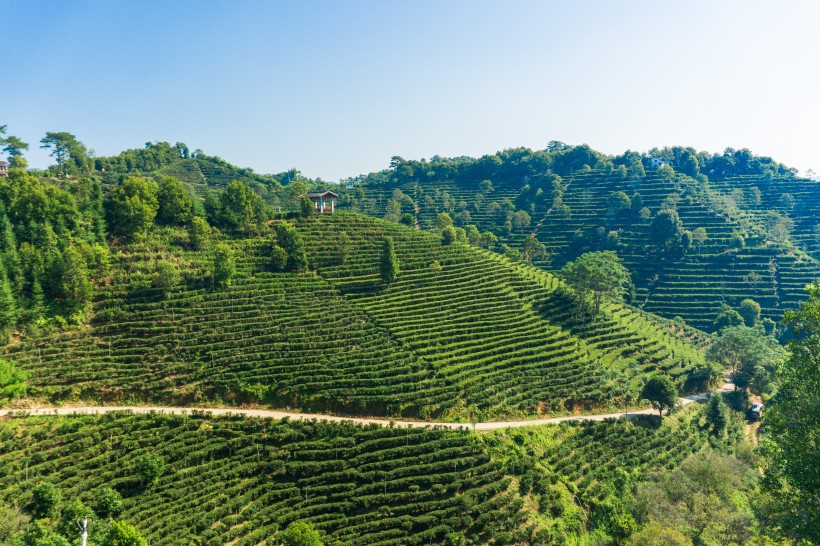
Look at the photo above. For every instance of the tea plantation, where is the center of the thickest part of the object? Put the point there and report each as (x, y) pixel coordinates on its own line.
(340, 340)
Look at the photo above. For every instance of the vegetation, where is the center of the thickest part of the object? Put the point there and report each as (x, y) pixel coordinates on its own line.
(700, 231)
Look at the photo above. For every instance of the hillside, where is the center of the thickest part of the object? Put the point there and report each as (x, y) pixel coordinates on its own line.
(232, 480)
(336, 339)
(750, 231)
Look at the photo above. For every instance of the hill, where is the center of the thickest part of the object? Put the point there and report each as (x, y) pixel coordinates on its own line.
(741, 226)
(337, 339)
(232, 480)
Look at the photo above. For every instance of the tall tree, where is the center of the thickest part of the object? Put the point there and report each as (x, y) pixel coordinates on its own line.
(8, 307)
(176, 206)
(289, 239)
(660, 392)
(65, 146)
(389, 265)
(599, 274)
(751, 356)
(14, 147)
(792, 424)
(132, 207)
(75, 283)
(224, 265)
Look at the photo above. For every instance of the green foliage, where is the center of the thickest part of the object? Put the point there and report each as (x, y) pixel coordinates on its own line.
(75, 284)
(238, 208)
(132, 207)
(8, 307)
(12, 381)
(666, 232)
(175, 204)
(12, 522)
(306, 207)
(750, 311)
(599, 274)
(151, 467)
(389, 263)
(661, 392)
(792, 425)
(751, 356)
(224, 265)
(198, 233)
(45, 498)
(533, 249)
(278, 258)
(717, 415)
(109, 503)
(300, 533)
(443, 221)
(407, 219)
(165, 278)
(448, 235)
(288, 237)
(123, 533)
(39, 534)
(70, 512)
(727, 318)
(71, 154)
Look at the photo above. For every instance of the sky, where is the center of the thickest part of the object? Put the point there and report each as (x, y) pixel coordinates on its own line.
(335, 89)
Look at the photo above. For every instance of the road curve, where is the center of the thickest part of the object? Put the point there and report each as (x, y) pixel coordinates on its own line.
(275, 414)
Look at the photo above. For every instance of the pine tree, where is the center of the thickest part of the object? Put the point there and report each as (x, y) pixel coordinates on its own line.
(389, 263)
(8, 309)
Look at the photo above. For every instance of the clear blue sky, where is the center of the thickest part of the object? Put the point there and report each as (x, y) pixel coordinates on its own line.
(337, 88)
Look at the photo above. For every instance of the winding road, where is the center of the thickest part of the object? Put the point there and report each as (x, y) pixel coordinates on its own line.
(275, 414)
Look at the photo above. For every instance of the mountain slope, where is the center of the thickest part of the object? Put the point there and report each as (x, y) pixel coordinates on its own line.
(478, 337)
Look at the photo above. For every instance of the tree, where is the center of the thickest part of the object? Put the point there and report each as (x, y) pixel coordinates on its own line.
(12, 381)
(165, 277)
(389, 265)
(751, 356)
(44, 500)
(448, 235)
(75, 284)
(699, 237)
(224, 265)
(666, 231)
(123, 534)
(175, 204)
(393, 213)
(750, 311)
(727, 317)
(8, 307)
(65, 146)
(132, 207)
(443, 221)
(151, 467)
(599, 274)
(306, 207)
(12, 522)
(14, 147)
(240, 208)
(300, 533)
(198, 233)
(289, 239)
(660, 392)
(109, 503)
(278, 258)
(655, 534)
(616, 203)
(792, 421)
(407, 219)
(533, 249)
(717, 414)
(521, 220)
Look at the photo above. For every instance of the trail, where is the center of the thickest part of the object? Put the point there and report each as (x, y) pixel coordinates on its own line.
(275, 414)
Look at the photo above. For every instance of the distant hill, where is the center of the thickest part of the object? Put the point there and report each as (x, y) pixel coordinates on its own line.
(748, 224)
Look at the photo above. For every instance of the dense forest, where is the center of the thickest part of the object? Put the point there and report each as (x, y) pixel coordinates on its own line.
(519, 285)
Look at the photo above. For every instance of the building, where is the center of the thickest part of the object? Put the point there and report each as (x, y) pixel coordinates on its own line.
(324, 202)
(656, 162)
(4, 168)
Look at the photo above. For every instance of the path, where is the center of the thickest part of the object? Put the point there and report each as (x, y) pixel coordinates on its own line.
(95, 410)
